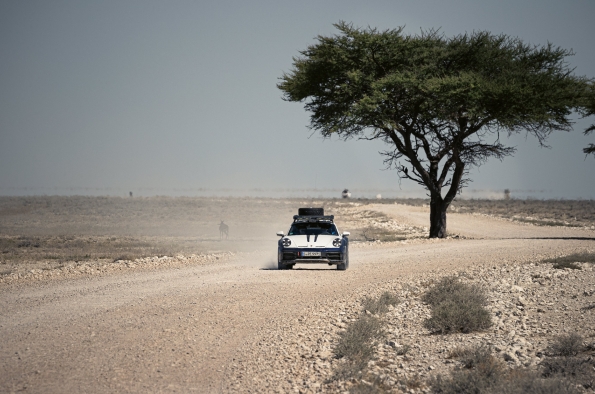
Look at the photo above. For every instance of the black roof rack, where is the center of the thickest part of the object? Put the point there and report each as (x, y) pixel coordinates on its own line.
(313, 219)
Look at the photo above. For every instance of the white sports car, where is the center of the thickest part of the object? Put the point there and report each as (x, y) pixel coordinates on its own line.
(313, 238)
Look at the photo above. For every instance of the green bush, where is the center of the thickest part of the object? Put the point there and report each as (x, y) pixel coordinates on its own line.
(456, 307)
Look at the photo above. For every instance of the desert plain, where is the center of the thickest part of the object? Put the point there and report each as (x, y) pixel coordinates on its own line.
(109, 294)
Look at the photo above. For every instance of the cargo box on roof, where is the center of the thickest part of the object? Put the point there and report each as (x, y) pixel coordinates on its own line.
(311, 211)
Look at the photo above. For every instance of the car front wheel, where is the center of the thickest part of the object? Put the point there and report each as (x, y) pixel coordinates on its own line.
(283, 266)
(345, 263)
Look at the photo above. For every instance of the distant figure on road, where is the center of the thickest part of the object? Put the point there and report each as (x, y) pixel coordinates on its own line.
(346, 194)
(223, 229)
(130, 194)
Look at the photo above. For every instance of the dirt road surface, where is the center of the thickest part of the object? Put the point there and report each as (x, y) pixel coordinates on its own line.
(180, 329)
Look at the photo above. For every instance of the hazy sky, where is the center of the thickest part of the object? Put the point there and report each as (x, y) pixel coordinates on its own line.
(168, 97)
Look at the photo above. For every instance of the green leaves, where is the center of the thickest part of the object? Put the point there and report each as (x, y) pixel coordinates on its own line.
(386, 72)
(436, 99)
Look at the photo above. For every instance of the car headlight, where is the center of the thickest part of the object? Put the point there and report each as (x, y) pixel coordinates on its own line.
(286, 242)
(337, 242)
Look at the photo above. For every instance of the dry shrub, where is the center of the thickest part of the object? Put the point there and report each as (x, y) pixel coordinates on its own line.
(453, 316)
(450, 287)
(357, 341)
(357, 345)
(523, 382)
(348, 370)
(84, 248)
(482, 373)
(571, 261)
(574, 369)
(566, 264)
(414, 382)
(566, 345)
(480, 357)
(380, 305)
(460, 382)
(542, 212)
(371, 234)
(403, 350)
(457, 352)
(456, 307)
(541, 222)
(367, 388)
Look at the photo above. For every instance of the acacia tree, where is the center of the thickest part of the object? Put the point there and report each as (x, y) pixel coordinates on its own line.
(441, 104)
(590, 110)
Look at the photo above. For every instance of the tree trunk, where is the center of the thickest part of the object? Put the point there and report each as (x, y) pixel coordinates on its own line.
(437, 217)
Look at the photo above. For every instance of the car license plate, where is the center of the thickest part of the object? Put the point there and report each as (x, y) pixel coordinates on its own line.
(310, 254)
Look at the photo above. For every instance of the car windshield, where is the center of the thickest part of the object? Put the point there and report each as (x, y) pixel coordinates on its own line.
(313, 229)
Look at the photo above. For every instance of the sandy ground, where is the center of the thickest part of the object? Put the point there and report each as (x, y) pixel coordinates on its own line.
(186, 328)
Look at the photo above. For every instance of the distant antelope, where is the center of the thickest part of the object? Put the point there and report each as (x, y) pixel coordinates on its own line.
(223, 229)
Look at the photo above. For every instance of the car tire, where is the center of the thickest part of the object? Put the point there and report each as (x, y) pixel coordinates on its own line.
(345, 264)
(283, 266)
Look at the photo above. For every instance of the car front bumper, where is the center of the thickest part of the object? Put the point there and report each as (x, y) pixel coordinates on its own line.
(300, 255)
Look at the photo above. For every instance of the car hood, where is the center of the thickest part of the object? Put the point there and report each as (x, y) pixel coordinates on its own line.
(312, 241)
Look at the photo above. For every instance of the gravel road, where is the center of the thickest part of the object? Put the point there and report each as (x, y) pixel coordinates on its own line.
(200, 327)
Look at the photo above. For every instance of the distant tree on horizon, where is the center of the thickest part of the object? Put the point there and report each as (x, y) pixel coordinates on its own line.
(441, 104)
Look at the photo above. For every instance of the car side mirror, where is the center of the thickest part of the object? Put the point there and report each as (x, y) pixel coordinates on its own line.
(280, 233)
(345, 234)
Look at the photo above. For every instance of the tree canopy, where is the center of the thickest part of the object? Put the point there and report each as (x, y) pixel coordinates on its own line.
(440, 103)
(590, 110)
